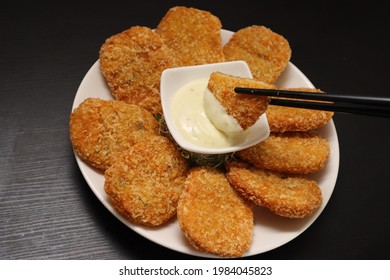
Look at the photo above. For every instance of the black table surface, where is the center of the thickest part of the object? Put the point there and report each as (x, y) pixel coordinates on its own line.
(48, 211)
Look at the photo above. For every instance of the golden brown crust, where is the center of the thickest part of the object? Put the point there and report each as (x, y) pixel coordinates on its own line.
(194, 35)
(245, 108)
(132, 62)
(287, 196)
(266, 52)
(145, 182)
(289, 152)
(281, 119)
(100, 129)
(213, 216)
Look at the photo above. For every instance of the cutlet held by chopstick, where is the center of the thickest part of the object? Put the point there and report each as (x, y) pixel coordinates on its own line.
(229, 111)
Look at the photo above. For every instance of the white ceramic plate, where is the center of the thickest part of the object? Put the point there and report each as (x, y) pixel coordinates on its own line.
(270, 231)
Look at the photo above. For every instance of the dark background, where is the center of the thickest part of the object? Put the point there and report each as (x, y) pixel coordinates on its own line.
(47, 210)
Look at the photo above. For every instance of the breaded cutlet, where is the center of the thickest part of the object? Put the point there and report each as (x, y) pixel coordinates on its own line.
(285, 195)
(193, 34)
(281, 119)
(100, 129)
(266, 52)
(245, 108)
(289, 152)
(145, 182)
(132, 62)
(213, 216)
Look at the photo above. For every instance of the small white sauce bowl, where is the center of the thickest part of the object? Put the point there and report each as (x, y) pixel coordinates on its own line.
(173, 79)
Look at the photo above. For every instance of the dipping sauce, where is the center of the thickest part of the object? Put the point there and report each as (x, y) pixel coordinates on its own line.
(190, 119)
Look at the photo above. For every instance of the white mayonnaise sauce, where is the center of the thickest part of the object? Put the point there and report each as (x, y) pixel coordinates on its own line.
(190, 119)
(218, 114)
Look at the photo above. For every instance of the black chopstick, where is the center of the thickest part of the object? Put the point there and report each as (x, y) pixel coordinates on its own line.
(364, 105)
(335, 107)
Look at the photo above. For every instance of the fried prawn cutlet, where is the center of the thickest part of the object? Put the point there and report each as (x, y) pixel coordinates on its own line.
(100, 129)
(230, 111)
(213, 216)
(132, 62)
(266, 52)
(289, 152)
(145, 182)
(287, 196)
(194, 35)
(281, 119)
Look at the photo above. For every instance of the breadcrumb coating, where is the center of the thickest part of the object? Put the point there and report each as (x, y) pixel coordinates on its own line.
(193, 34)
(213, 216)
(132, 62)
(100, 129)
(145, 182)
(289, 152)
(266, 52)
(281, 119)
(287, 196)
(245, 108)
